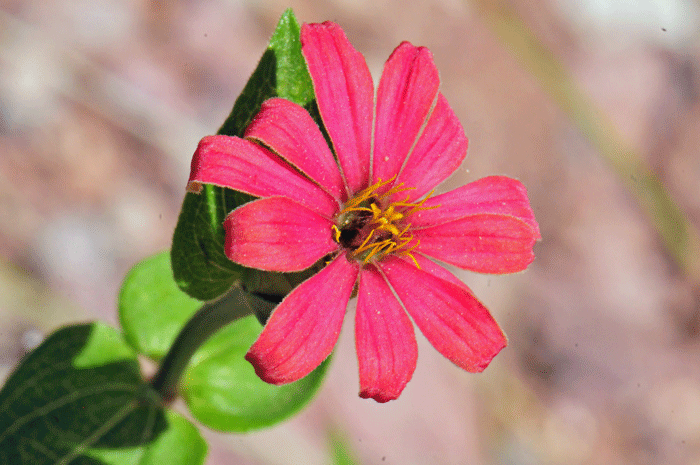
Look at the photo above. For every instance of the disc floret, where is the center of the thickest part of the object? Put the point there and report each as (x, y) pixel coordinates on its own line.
(370, 227)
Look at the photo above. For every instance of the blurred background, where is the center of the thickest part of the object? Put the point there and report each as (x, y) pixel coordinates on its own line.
(102, 103)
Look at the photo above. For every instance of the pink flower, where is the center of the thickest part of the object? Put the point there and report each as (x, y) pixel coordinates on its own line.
(371, 215)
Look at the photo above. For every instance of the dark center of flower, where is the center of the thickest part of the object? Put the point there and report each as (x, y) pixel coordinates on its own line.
(370, 227)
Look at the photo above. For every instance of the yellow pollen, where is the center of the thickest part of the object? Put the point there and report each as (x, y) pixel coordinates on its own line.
(336, 233)
(365, 194)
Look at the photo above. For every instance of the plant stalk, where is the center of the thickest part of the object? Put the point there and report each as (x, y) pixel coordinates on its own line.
(209, 319)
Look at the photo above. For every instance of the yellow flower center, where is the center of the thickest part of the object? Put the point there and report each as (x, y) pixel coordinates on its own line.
(370, 227)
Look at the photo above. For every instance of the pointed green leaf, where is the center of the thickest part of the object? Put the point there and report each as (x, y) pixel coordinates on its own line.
(200, 266)
(78, 398)
(224, 393)
(152, 308)
(281, 72)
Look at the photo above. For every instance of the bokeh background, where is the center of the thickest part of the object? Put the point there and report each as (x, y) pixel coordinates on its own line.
(102, 103)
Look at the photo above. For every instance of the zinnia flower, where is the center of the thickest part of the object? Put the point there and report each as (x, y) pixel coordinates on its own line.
(367, 208)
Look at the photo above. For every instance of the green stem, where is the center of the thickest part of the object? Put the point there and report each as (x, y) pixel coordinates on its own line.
(208, 320)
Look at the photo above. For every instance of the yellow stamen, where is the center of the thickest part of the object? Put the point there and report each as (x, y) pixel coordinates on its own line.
(413, 258)
(391, 228)
(396, 189)
(378, 246)
(383, 230)
(362, 247)
(419, 205)
(408, 252)
(355, 209)
(393, 215)
(365, 194)
(336, 233)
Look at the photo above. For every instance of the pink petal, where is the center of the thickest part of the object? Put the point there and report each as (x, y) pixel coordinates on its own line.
(440, 271)
(437, 154)
(449, 316)
(386, 345)
(484, 243)
(289, 130)
(244, 166)
(304, 327)
(406, 92)
(345, 97)
(494, 194)
(277, 234)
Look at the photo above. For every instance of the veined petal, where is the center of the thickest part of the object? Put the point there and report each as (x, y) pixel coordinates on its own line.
(304, 328)
(289, 131)
(440, 271)
(277, 234)
(449, 316)
(345, 97)
(247, 167)
(439, 151)
(485, 243)
(498, 195)
(406, 92)
(386, 344)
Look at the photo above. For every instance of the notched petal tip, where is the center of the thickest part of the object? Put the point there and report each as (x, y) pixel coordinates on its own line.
(327, 25)
(487, 358)
(378, 396)
(449, 316)
(268, 376)
(387, 351)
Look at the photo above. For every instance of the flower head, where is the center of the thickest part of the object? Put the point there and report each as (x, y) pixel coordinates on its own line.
(368, 208)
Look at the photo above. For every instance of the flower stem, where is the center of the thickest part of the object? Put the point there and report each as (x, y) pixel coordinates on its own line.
(208, 320)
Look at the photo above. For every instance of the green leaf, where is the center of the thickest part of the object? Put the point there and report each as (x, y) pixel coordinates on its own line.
(152, 308)
(281, 72)
(180, 444)
(80, 392)
(200, 267)
(224, 393)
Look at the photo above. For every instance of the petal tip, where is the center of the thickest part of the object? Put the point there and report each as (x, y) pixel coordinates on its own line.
(379, 396)
(488, 358)
(261, 371)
